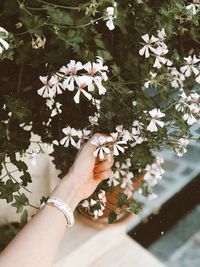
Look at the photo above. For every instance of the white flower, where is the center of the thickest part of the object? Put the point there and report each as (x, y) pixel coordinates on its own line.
(113, 181)
(127, 184)
(180, 149)
(156, 114)
(82, 82)
(98, 213)
(94, 119)
(102, 197)
(57, 86)
(161, 35)
(154, 172)
(95, 67)
(98, 73)
(151, 81)
(70, 133)
(96, 103)
(3, 44)
(160, 53)
(110, 16)
(134, 137)
(189, 118)
(116, 143)
(82, 135)
(93, 202)
(50, 88)
(101, 143)
(197, 79)
(182, 103)
(193, 7)
(73, 67)
(148, 45)
(190, 67)
(85, 204)
(56, 110)
(177, 78)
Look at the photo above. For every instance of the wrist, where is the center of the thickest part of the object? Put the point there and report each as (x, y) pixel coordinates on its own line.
(67, 190)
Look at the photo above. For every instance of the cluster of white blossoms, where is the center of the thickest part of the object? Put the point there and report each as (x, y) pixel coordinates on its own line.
(115, 143)
(180, 148)
(3, 43)
(189, 106)
(194, 6)
(55, 107)
(110, 16)
(192, 67)
(177, 77)
(123, 177)
(96, 206)
(108, 145)
(74, 137)
(155, 46)
(83, 79)
(154, 172)
(156, 116)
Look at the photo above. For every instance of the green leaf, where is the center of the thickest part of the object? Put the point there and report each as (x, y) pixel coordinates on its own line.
(7, 189)
(122, 200)
(20, 202)
(24, 218)
(134, 207)
(43, 200)
(71, 39)
(112, 216)
(18, 107)
(33, 24)
(26, 178)
(59, 16)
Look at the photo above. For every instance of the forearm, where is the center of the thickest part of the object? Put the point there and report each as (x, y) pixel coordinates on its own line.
(41, 237)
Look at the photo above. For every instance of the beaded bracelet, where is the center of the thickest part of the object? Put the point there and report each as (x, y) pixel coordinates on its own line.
(62, 206)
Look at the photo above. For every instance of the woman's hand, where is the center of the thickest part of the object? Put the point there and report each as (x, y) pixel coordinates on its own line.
(84, 175)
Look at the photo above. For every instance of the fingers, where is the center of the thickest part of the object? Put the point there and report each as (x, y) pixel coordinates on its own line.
(103, 175)
(103, 165)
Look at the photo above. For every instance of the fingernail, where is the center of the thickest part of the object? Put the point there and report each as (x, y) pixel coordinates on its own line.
(96, 169)
(96, 177)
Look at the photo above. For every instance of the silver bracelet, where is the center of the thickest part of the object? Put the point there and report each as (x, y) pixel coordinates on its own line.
(62, 206)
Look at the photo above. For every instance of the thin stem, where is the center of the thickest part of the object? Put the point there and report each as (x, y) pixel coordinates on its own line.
(124, 83)
(10, 176)
(21, 6)
(75, 26)
(55, 5)
(36, 8)
(7, 174)
(171, 105)
(30, 205)
(22, 33)
(20, 79)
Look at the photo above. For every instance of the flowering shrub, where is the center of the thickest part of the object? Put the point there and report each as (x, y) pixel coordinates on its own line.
(73, 68)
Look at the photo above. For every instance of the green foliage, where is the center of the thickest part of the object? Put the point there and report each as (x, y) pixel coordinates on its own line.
(20, 202)
(7, 190)
(112, 217)
(134, 207)
(122, 200)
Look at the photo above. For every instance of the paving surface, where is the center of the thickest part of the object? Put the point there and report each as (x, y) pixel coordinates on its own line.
(169, 247)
